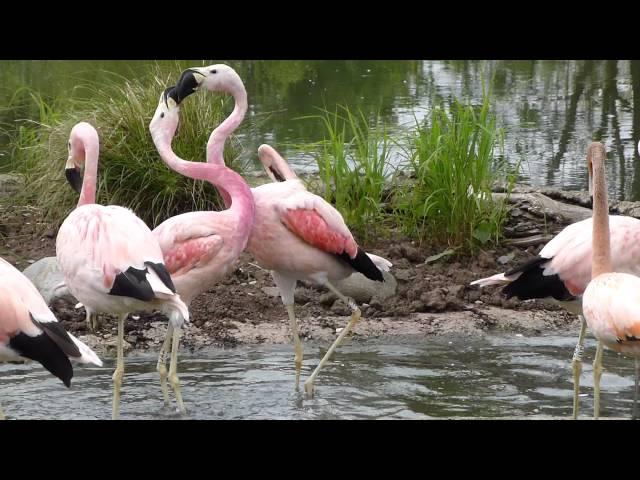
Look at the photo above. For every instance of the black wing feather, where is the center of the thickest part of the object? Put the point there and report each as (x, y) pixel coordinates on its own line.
(363, 264)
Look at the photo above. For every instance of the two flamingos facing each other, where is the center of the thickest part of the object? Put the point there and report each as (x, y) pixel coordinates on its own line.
(296, 234)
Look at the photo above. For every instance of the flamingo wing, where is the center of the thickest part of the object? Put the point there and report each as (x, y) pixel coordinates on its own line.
(187, 242)
(112, 251)
(317, 223)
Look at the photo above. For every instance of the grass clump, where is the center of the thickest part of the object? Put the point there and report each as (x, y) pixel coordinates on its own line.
(353, 164)
(131, 172)
(453, 164)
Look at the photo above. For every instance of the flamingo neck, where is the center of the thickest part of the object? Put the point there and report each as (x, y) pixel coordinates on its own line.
(215, 145)
(601, 247)
(90, 175)
(223, 178)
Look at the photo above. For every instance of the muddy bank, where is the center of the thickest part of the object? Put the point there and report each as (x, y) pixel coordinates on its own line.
(432, 298)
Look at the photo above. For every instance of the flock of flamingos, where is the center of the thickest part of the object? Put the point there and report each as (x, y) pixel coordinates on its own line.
(113, 263)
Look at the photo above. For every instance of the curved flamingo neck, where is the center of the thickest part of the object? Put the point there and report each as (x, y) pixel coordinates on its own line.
(215, 145)
(90, 176)
(601, 262)
(221, 177)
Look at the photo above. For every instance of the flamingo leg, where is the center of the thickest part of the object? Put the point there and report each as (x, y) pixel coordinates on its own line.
(355, 316)
(118, 374)
(287, 287)
(1, 414)
(597, 373)
(173, 370)
(297, 343)
(635, 395)
(161, 367)
(92, 321)
(577, 366)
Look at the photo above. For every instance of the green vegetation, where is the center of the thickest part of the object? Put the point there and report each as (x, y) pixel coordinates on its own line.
(130, 171)
(352, 162)
(453, 160)
(432, 181)
(452, 165)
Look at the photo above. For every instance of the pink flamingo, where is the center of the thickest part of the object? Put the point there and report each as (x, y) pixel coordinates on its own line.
(201, 248)
(30, 331)
(110, 260)
(296, 234)
(611, 301)
(562, 271)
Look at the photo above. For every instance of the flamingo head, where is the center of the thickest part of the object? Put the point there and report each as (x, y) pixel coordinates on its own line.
(215, 78)
(83, 137)
(276, 167)
(165, 120)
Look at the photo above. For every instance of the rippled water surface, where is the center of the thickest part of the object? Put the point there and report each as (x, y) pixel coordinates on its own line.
(394, 378)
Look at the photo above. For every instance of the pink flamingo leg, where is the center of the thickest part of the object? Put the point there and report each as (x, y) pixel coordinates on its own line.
(577, 366)
(161, 367)
(597, 374)
(287, 286)
(173, 370)
(118, 374)
(635, 395)
(355, 316)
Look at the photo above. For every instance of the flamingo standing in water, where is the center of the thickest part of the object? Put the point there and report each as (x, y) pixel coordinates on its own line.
(30, 331)
(201, 248)
(296, 234)
(562, 271)
(110, 260)
(611, 301)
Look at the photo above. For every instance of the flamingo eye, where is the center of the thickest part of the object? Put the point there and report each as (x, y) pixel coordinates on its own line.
(214, 71)
(162, 115)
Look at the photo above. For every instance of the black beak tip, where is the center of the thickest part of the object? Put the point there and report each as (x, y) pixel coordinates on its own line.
(186, 85)
(74, 178)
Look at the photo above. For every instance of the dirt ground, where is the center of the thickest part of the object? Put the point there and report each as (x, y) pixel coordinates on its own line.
(432, 298)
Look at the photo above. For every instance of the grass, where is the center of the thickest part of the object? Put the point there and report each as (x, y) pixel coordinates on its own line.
(130, 171)
(454, 163)
(353, 164)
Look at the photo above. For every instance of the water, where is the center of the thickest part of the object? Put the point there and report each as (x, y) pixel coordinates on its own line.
(550, 109)
(393, 378)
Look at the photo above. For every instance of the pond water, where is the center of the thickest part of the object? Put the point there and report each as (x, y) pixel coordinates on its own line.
(495, 376)
(550, 109)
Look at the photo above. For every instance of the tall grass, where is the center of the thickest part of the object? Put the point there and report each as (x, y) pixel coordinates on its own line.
(353, 162)
(453, 160)
(131, 172)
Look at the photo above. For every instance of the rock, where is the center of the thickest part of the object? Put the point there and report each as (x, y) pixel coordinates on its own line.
(303, 296)
(45, 274)
(434, 300)
(10, 183)
(631, 209)
(485, 260)
(362, 290)
(411, 253)
(271, 291)
(403, 275)
(327, 299)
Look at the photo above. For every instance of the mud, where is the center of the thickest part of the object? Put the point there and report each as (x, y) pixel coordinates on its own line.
(432, 298)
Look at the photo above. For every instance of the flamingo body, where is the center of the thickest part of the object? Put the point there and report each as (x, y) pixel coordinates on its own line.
(611, 305)
(562, 269)
(29, 329)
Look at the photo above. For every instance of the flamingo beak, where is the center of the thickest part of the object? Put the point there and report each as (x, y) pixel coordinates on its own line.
(74, 178)
(189, 82)
(72, 172)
